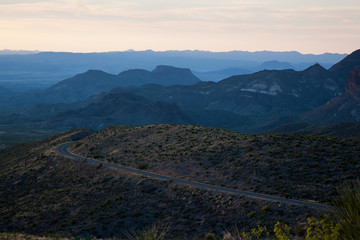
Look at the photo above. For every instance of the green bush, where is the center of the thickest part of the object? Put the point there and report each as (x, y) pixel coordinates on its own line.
(282, 231)
(323, 229)
(251, 214)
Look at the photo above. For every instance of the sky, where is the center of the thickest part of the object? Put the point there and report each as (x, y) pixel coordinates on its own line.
(307, 26)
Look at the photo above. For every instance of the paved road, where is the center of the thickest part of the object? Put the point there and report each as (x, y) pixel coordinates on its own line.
(64, 149)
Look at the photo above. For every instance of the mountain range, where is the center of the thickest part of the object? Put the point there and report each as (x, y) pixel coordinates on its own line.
(95, 82)
(249, 103)
(345, 107)
(265, 92)
(45, 192)
(39, 70)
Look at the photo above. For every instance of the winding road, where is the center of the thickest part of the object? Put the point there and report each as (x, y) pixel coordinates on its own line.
(64, 149)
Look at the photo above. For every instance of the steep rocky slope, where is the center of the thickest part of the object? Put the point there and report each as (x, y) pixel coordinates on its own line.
(265, 92)
(344, 67)
(345, 108)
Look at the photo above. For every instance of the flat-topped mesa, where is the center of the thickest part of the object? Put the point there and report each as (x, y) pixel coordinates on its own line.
(352, 87)
(168, 75)
(166, 68)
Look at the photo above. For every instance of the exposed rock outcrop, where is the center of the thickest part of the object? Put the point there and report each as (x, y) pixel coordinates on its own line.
(352, 87)
(344, 108)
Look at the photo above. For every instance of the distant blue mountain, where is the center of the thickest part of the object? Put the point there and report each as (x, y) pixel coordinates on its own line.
(251, 102)
(93, 82)
(40, 70)
(276, 65)
(221, 74)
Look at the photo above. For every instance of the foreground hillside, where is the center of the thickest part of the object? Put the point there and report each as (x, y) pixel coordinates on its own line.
(45, 193)
(283, 165)
(343, 129)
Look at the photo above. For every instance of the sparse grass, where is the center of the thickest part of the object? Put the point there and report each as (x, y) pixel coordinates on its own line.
(274, 164)
(156, 232)
(42, 192)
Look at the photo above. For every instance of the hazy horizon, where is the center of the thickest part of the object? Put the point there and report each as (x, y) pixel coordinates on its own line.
(90, 26)
(27, 51)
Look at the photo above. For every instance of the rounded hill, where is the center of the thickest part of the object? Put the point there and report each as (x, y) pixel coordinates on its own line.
(274, 164)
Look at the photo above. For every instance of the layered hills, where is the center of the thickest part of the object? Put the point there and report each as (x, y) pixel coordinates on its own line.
(265, 92)
(94, 82)
(240, 98)
(44, 192)
(39, 70)
(248, 103)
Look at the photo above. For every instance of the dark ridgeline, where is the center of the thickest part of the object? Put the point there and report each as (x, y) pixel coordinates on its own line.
(343, 68)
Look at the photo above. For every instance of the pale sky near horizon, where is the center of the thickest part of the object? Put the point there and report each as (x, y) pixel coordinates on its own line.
(307, 26)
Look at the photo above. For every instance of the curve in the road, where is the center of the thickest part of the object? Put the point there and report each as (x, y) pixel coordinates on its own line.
(64, 149)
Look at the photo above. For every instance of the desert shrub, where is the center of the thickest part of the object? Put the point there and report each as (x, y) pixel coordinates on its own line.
(142, 166)
(323, 229)
(282, 231)
(347, 211)
(156, 232)
(259, 232)
(342, 224)
(266, 208)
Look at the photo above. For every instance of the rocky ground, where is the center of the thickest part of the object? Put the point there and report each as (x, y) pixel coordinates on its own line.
(45, 194)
